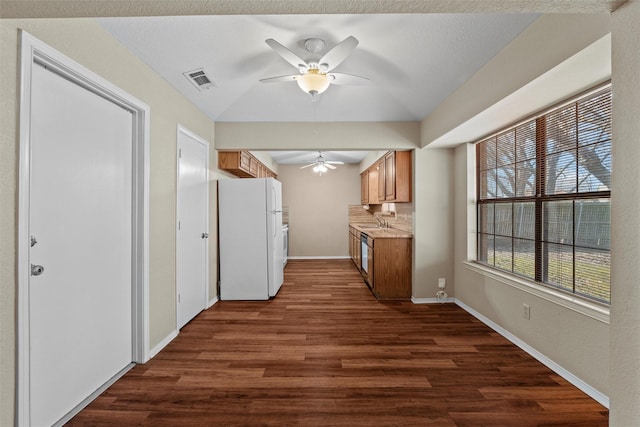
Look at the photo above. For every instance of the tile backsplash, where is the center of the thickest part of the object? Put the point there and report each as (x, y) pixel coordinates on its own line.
(398, 215)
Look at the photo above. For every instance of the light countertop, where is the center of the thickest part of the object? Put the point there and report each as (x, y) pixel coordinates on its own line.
(377, 232)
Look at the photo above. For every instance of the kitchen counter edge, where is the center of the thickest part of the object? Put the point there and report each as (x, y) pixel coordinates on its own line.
(384, 233)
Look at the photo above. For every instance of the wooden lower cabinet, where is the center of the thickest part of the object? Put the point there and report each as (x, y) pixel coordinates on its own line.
(354, 246)
(390, 268)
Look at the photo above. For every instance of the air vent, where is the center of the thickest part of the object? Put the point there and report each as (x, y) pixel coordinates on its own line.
(199, 79)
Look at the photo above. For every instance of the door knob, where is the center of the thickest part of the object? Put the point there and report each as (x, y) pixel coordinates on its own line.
(205, 235)
(36, 270)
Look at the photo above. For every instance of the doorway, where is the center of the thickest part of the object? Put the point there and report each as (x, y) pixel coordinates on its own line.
(82, 235)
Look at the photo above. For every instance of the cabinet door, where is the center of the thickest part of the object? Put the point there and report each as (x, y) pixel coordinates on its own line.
(373, 186)
(381, 180)
(393, 269)
(403, 176)
(364, 187)
(390, 176)
(245, 161)
(358, 249)
(253, 166)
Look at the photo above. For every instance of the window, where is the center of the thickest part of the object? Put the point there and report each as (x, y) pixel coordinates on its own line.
(544, 198)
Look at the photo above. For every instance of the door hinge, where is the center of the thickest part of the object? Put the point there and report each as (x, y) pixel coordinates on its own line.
(180, 153)
(179, 225)
(178, 298)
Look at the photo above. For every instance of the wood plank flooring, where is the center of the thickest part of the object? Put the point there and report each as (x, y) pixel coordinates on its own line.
(324, 352)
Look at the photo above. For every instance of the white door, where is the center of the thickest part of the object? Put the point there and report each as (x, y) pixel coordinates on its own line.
(80, 220)
(192, 230)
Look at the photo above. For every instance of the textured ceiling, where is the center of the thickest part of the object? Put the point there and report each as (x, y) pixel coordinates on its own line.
(413, 61)
(102, 8)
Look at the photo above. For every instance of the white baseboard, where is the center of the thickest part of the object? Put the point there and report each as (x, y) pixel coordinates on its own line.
(162, 344)
(319, 257)
(431, 300)
(586, 388)
(75, 411)
(212, 302)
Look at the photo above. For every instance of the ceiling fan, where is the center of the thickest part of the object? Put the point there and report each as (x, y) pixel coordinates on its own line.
(321, 165)
(315, 75)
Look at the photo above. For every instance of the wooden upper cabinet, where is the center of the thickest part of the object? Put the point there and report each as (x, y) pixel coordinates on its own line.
(364, 187)
(243, 164)
(373, 186)
(245, 161)
(389, 179)
(380, 167)
(390, 176)
(253, 167)
(402, 176)
(236, 162)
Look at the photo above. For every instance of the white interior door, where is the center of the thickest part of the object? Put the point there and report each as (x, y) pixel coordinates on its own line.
(80, 219)
(192, 230)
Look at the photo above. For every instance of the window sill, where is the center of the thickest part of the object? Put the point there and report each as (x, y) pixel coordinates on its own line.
(574, 303)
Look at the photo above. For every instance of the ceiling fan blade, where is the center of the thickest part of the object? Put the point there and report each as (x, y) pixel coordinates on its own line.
(307, 166)
(348, 79)
(287, 55)
(280, 79)
(339, 53)
(334, 162)
(329, 166)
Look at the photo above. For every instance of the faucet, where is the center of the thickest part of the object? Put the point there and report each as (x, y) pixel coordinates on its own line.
(381, 222)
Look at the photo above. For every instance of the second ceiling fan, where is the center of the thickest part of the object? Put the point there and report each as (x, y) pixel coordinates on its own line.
(321, 165)
(315, 75)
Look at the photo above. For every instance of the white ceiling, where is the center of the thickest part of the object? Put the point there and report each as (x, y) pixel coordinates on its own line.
(414, 61)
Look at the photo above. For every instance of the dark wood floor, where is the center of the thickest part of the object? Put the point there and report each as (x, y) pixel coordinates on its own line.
(324, 352)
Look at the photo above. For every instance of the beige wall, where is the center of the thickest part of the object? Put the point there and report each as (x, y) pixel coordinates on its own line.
(318, 136)
(84, 41)
(433, 221)
(624, 345)
(318, 209)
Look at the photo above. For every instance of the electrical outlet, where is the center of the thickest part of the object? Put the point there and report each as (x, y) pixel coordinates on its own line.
(526, 311)
(441, 282)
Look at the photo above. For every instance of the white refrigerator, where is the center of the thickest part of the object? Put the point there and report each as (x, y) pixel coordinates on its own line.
(250, 235)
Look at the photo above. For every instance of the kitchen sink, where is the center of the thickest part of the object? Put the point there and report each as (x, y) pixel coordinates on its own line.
(369, 226)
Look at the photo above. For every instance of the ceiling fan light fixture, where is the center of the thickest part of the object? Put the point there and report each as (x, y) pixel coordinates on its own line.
(320, 168)
(313, 83)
